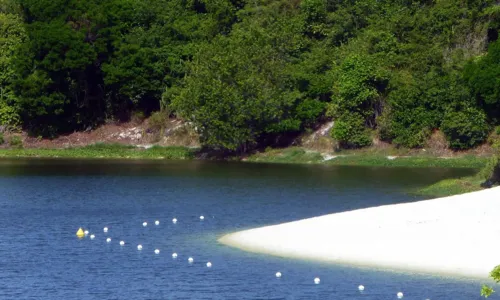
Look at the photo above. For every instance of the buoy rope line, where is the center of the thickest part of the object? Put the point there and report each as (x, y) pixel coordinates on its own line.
(81, 233)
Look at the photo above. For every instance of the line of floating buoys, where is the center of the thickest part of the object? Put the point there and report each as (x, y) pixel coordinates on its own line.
(82, 233)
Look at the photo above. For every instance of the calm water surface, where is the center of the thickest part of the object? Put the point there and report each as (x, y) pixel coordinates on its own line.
(43, 202)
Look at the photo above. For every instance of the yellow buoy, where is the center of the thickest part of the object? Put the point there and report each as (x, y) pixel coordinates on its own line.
(80, 234)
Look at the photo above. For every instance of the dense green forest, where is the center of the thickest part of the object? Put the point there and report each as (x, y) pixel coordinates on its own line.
(248, 71)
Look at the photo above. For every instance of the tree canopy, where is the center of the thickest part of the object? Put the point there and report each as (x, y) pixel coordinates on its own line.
(247, 71)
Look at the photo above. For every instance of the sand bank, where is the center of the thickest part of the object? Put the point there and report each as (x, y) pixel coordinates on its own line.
(457, 235)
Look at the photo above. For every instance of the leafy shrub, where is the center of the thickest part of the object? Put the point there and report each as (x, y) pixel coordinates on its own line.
(309, 110)
(137, 117)
(407, 120)
(465, 128)
(16, 141)
(487, 291)
(497, 130)
(8, 115)
(158, 120)
(349, 130)
(491, 172)
(482, 76)
(2, 140)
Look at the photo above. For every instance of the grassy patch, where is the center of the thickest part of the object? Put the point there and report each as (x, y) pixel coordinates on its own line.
(410, 161)
(104, 151)
(449, 187)
(299, 155)
(287, 155)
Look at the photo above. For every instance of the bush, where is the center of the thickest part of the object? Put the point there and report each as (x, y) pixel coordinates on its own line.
(137, 117)
(8, 115)
(2, 140)
(158, 120)
(349, 130)
(465, 128)
(16, 141)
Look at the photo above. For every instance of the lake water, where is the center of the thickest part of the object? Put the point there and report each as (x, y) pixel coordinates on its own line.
(43, 202)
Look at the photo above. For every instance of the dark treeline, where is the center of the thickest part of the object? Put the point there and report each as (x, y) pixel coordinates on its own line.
(246, 71)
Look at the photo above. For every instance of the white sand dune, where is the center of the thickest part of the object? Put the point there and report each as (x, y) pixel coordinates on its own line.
(457, 235)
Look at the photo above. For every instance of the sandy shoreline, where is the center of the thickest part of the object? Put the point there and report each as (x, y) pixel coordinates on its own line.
(457, 235)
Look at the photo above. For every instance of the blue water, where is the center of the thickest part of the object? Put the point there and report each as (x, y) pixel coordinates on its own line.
(43, 202)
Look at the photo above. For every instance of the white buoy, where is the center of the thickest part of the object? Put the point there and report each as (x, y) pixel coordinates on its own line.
(174, 220)
(202, 218)
(157, 222)
(92, 236)
(174, 255)
(361, 288)
(278, 274)
(105, 229)
(317, 280)
(122, 243)
(400, 295)
(86, 232)
(157, 251)
(190, 260)
(144, 224)
(108, 240)
(139, 247)
(209, 264)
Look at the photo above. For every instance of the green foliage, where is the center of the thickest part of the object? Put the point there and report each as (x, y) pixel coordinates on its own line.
(487, 291)
(495, 274)
(366, 158)
(137, 117)
(449, 187)
(288, 155)
(358, 87)
(465, 128)
(12, 35)
(349, 130)
(158, 120)
(235, 93)
(483, 76)
(8, 114)
(109, 151)
(16, 141)
(249, 72)
(2, 140)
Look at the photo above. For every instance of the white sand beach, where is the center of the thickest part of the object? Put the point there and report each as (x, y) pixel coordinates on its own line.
(457, 235)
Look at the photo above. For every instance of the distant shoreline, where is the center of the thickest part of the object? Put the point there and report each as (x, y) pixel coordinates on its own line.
(439, 236)
(293, 155)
